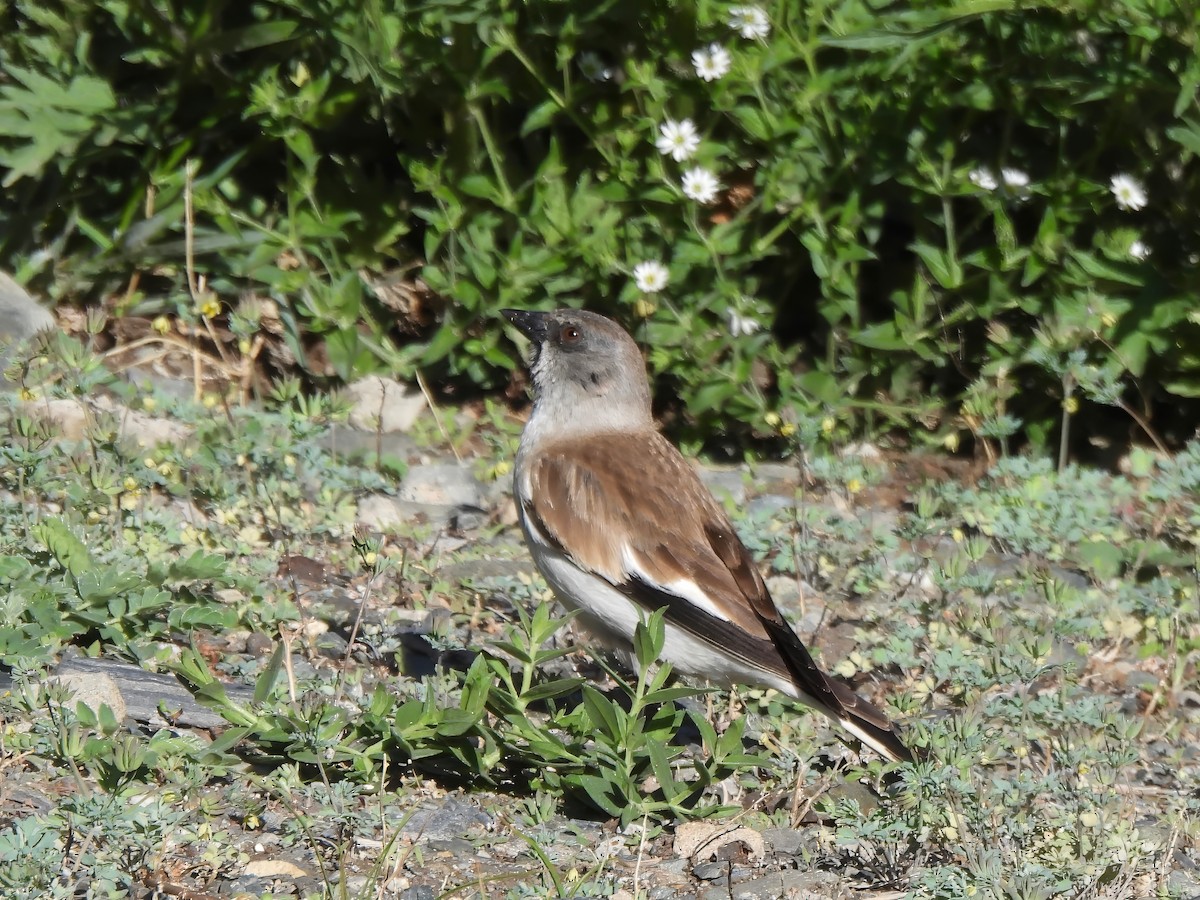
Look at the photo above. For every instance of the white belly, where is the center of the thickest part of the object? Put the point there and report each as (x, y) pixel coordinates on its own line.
(612, 617)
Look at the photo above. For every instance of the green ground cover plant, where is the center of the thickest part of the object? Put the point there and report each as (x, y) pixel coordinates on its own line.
(903, 215)
(1038, 631)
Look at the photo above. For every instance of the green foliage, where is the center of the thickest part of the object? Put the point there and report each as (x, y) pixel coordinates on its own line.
(495, 725)
(1039, 630)
(917, 209)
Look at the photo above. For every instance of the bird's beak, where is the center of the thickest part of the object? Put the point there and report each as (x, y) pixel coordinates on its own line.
(530, 323)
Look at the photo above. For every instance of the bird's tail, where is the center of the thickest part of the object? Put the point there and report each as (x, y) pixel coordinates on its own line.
(865, 721)
(869, 724)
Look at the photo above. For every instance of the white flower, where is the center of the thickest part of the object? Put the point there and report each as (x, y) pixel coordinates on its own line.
(1129, 192)
(700, 185)
(739, 324)
(679, 139)
(650, 276)
(1014, 178)
(1139, 250)
(751, 21)
(984, 179)
(711, 63)
(593, 67)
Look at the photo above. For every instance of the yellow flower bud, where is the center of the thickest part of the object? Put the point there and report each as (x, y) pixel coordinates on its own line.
(161, 324)
(643, 308)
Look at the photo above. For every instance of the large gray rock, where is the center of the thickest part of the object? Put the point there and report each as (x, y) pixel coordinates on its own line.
(381, 404)
(441, 484)
(130, 691)
(20, 315)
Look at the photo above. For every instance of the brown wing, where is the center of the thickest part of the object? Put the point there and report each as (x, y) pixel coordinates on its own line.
(649, 527)
(863, 718)
(639, 523)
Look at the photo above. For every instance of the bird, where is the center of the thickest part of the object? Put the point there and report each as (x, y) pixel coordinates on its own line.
(620, 525)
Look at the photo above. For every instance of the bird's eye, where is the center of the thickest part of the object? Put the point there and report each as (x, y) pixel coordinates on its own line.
(569, 335)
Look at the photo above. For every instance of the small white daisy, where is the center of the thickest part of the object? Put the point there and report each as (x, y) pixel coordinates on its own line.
(593, 67)
(700, 185)
(739, 324)
(1128, 191)
(1138, 250)
(983, 179)
(650, 276)
(679, 139)
(712, 62)
(750, 21)
(1014, 179)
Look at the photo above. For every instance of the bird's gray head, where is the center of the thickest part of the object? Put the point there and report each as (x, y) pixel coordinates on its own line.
(587, 371)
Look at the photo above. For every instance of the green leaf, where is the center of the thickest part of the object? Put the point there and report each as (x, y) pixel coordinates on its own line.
(712, 395)
(540, 117)
(480, 186)
(67, 550)
(649, 636)
(600, 792)
(1103, 559)
(1187, 136)
(264, 684)
(251, 37)
(881, 336)
(941, 265)
(191, 617)
(607, 717)
(199, 566)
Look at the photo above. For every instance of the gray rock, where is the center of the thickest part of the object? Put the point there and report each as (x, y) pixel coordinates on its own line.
(711, 871)
(145, 430)
(21, 316)
(383, 512)
(345, 441)
(776, 477)
(726, 483)
(796, 885)
(384, 405)
(785, 841)
(70, 419)
(441, 484)
(1183, 884)
(770, 506)
(480, 569)
(66, 417)
(140, 692)
(93, 689)
(448, 820)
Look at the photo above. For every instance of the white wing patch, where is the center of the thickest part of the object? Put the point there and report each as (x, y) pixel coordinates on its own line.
(680, 587)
